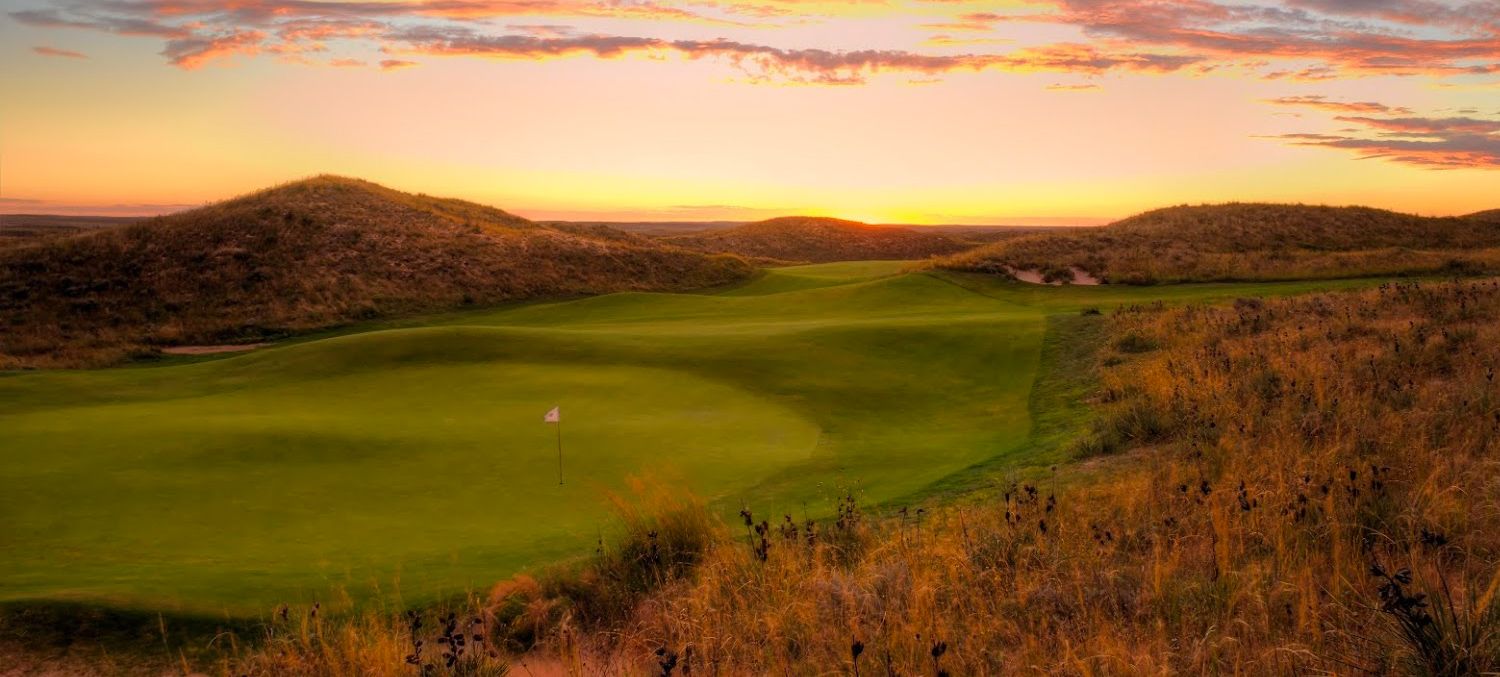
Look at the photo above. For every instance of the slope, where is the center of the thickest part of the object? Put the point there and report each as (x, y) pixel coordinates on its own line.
(306, 255)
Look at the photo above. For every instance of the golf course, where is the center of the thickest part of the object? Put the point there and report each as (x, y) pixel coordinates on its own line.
(402, 463)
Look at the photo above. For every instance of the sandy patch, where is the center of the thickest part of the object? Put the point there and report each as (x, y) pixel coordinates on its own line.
(1080, 277)
(211, 350)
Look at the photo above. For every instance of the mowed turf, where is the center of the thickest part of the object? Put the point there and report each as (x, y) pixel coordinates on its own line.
(407, 464)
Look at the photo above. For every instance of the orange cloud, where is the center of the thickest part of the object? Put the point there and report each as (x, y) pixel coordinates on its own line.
(1340, 106)
(191, 53)
(53, 51)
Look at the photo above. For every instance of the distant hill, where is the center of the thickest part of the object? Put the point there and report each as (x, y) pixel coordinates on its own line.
(818, 239)
(18, 229)
(1490, 215)
(302, 256)
(1244, 241)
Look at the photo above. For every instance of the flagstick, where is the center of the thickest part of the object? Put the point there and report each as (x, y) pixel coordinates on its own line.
(559, 451)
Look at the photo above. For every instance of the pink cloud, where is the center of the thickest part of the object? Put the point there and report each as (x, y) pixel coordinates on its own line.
(53, 51)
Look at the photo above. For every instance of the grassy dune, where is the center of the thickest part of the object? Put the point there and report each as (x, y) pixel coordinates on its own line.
(1248, 241)
(412, 462)
(313, 254)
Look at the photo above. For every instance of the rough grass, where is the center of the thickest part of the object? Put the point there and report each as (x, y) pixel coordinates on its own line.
(1237, 242)
(307, 255)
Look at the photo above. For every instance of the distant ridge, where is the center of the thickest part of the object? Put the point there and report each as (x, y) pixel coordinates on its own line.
(819, 239)
(1250, 241)
(306, 255)
(19, 229)
(1490, 215)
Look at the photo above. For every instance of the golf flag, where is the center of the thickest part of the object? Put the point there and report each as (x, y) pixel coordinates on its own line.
(553, 416)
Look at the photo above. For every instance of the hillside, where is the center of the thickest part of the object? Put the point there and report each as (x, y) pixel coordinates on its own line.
(1488, 215)
(302, 256)
(819, 239)
(1250, 242)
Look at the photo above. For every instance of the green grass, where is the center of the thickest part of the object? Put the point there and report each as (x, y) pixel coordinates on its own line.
(412, 463)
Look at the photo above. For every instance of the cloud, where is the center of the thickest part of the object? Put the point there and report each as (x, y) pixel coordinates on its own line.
(1334, 34)
(1428, 126)
(1340, 106)
(765, 62)
(973, 21)
(951, 41)
(1083, 87)
(396, 64)
(1303, 40)
(51, 18)
(1433, 143)
(346, 63)
(193, 52)
(53, 51)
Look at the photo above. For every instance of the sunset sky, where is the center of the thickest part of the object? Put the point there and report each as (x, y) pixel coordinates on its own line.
(915, 111)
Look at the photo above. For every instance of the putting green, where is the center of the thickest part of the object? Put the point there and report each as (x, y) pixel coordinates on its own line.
(414, 461)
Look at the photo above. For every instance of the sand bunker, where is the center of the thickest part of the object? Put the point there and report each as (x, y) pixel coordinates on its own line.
(1080, 276)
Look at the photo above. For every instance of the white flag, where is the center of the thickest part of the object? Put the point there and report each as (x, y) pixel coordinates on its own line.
(553, 416)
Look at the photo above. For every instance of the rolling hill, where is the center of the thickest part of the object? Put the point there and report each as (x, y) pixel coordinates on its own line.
(1490, 215)
(1247, 241)
(819, 240)
(302, 256)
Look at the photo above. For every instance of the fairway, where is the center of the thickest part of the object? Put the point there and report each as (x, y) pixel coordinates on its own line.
(414, 463)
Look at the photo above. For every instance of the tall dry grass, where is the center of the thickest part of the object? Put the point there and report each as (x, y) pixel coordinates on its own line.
(1295, 486)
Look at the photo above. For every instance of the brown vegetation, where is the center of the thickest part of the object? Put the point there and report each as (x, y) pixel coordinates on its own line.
(1491, 215)
(817, 239)
(1251, 242)
(1295, 486)
(302, 256)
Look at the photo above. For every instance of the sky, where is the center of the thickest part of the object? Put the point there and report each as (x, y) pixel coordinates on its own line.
(892, 111)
